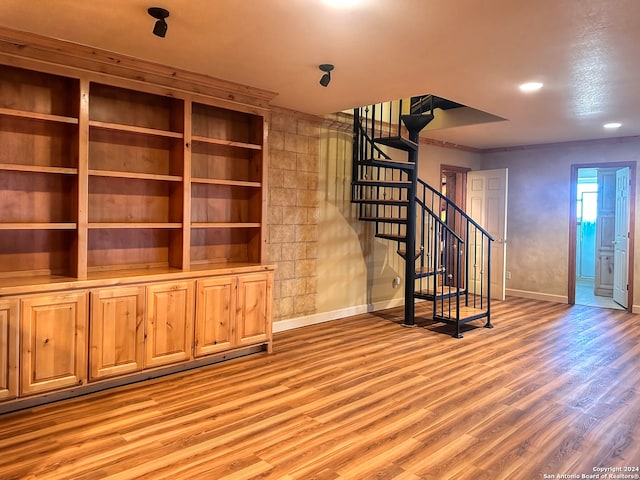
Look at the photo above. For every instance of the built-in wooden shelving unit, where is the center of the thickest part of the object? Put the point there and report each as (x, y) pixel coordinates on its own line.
(132, 220)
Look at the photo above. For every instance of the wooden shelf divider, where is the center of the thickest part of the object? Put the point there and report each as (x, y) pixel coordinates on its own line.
(228, 143)
(225, 225)
(134, 129)
(232, 183)
(38, 226)
(38, 116)
(132, 225)
(38, 169)
(136, 175)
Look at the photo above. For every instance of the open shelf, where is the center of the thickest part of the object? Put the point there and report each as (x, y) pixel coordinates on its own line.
(133, 248)
(126, 154)
(36, 146)
(224, 245)
(27, 198)
(225, 204)
(115, 108)
(222, 163)
(219, 125)
(38, 95)
(134, 201)
(37, 252)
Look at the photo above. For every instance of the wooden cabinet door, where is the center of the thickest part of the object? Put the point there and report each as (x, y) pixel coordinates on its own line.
(8, 349)
(170, 308)
(215, 315)
(53, 342)
(254, 308)
(117, 331)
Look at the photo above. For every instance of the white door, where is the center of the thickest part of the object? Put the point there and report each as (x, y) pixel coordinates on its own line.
(605, 232)
(621, 242)
(487, 205)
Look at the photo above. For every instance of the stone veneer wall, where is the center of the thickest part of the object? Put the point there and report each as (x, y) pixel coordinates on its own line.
(293, 211)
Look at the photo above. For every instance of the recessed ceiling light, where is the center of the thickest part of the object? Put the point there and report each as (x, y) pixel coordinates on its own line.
(612, 125)
(341, 3)
(530, 86)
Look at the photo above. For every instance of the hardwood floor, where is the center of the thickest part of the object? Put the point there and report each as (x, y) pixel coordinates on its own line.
(552, 389)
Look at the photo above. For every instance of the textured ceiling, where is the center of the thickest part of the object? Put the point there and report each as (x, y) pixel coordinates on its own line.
(586, 52)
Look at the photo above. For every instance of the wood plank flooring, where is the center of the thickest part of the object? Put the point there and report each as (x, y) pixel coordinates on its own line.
(551, 390)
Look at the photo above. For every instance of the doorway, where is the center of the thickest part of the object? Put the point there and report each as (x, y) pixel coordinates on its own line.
(483, 195)
(601, 235)
(453, 185)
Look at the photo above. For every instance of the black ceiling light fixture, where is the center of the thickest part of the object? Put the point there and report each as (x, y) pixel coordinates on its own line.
(326, 78)
(160, 28)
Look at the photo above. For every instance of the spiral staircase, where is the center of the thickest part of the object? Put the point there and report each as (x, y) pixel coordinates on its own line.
(447, 254)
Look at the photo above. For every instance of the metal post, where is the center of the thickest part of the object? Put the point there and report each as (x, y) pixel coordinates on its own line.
(410, 263)
(356, 145)
(488, 324)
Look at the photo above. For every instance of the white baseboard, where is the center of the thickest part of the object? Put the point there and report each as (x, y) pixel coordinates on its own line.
(635, 309)
(291, 323)
(546, 297)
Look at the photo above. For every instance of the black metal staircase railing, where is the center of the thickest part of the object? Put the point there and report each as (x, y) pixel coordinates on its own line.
(465, 256)
(447, 254)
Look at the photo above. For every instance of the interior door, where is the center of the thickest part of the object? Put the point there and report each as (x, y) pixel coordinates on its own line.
(487, 205)
(605, 232)
(621, 242)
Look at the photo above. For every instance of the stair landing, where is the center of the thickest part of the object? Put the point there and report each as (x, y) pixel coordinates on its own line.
(442, 292)
(467, 314)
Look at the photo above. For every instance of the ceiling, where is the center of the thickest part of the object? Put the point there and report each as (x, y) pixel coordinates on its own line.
(586, 52)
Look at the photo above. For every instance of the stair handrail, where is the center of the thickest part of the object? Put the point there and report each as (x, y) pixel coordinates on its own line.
(363, 133)
(436, 217)
(456, 208)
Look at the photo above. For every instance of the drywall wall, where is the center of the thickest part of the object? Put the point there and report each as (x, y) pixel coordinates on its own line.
(354, 267)
(538, 209)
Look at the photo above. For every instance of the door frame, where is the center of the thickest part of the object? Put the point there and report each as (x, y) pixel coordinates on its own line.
(459, 176)
(573, 225)
(461, 187)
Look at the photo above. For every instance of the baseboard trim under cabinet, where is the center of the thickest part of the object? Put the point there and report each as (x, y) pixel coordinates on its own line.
(101, 385)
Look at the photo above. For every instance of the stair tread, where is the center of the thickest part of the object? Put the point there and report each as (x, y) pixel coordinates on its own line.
(442, 292)
(392, 236)
(398, 142)
(384, 219)
(383, 162)
(465, 312)
(403, 253)
(387, 183)
(400, 203)
(426, 271)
